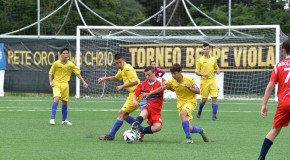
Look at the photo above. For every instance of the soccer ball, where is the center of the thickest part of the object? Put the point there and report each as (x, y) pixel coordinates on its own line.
(129, 136)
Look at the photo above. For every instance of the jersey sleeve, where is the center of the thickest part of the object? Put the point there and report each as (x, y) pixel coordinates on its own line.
(75, 69)
(119, 75)
(274, 77)
(138, 90)
(52, 68)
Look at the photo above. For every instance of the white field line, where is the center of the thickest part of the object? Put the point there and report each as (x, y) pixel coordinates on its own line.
(122, 101)
(21, 109)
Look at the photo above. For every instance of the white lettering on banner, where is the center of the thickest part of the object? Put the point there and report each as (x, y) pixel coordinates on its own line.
(219, 77)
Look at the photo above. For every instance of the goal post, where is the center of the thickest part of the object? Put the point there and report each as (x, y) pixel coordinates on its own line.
(245, 54)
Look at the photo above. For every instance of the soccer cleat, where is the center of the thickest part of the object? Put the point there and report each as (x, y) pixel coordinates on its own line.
(140, 138)
(106, 138)
(52, 121)
(66, 122)
(204, 137)
(187, 141)
(135, 126)
(214, 118)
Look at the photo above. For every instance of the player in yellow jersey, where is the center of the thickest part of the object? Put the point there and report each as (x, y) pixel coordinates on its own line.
(186, 90)
(59, 76)
(130, 80)
(206, 68)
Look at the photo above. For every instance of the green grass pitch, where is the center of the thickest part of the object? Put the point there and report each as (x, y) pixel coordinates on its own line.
(26, 134)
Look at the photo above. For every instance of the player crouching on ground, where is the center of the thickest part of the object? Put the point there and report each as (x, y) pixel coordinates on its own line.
(150, 106)
(186, 90)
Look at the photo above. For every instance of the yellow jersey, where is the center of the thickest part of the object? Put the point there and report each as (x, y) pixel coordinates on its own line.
(62, 72)
(127, 74)
(183, 94)
(207, 65)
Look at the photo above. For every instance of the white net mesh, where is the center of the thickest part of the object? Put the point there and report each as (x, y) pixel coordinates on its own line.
(245, 55)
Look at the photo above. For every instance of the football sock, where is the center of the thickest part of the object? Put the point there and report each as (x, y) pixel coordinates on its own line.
(130, 120)
(265, 148)
(64, 112)
(53, 110)
(201, 105)
(214, 109)
(116, 127)
(139, 119)
(147, 130)
(185, 125)
(196, 130)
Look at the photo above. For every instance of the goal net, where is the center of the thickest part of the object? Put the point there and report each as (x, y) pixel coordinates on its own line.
(245, 54)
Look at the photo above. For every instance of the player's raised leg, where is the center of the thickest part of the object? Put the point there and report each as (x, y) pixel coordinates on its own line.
(201, 131)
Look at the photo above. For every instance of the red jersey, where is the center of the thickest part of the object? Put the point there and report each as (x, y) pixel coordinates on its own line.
(159, 72)
(155, 100)
(281, 76)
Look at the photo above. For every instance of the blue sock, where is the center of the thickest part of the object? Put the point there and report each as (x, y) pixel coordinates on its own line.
(265, 148)
(201, 105)
(53, 110)
(196, 130)
(147, 130)
(214, 109)
(64, 112)
(116, 127)
(140, 120)
(185, 125)
(130, 120)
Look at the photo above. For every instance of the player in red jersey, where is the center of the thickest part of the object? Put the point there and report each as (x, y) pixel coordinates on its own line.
(151, 106)
(280, 75)
(158, 71)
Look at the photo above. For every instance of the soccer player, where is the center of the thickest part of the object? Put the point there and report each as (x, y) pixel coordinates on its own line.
(130, 80)
(151, 105)
(186, 90)
(59, 76)
(158, 71)
(280, 75)
(206, 67)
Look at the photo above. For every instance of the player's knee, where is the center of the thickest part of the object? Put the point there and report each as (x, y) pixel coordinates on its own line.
(157, 127)
(122, 115)
(203, 101)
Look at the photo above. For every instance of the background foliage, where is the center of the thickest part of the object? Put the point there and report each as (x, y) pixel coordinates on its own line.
(17, 14)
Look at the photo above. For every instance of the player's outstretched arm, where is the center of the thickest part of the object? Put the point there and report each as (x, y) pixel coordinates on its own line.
(157, 90)
(82, 80)
(130, 84)
(103, 79)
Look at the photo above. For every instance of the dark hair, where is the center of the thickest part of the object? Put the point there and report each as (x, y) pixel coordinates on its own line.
(118, 56)
(64, 49)
(149, 68)
(205, 44)
(175, 68)
(286, 46)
